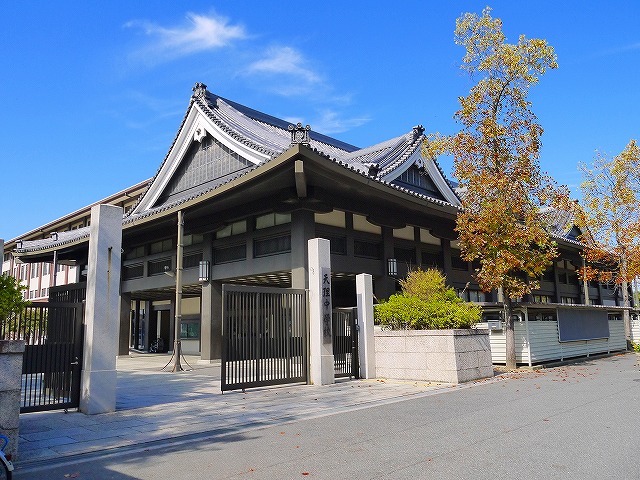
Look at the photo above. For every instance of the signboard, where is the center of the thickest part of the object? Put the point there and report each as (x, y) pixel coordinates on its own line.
(326, 305)
(581, 324)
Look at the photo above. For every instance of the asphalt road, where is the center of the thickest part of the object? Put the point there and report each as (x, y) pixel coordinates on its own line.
(578, 421)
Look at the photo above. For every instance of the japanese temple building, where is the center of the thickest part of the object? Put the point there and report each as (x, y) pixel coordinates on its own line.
(252, 189)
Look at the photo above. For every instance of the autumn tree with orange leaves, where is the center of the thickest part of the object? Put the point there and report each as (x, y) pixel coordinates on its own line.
(496, 163)
(610, 220)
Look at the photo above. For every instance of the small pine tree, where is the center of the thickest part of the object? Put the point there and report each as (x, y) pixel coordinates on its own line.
(426, 303)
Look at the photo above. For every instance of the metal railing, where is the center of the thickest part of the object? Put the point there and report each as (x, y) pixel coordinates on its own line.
(345, 343)
(264, 336)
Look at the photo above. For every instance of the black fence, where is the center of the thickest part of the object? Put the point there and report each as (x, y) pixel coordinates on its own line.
(264, 336)
(345, 343)
(53, 338)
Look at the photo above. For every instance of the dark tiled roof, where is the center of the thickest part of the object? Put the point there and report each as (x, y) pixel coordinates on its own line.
(271, 137)
(59, 240)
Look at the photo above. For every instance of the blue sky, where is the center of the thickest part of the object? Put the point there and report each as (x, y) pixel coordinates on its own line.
(93, 92)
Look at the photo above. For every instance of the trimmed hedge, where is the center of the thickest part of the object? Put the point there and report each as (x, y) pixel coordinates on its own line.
(440, 309)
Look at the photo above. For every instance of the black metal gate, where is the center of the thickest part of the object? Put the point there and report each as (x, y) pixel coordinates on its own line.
(52, 360)
(264, 336)
(345, 343)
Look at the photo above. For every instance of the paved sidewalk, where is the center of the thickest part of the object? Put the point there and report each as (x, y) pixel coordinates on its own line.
(155, 405)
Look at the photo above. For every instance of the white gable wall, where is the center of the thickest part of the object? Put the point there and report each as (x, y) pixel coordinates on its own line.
(193, 129)
(431, 169)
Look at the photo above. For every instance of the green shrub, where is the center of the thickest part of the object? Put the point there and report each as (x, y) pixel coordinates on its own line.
(426, 303)
(636, 347)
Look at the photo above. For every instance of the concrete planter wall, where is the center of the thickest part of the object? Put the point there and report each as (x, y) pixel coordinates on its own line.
(11, 352)
(450, 356)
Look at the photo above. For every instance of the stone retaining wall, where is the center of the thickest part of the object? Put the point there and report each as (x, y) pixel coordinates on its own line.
(450, 356)
(11, 352)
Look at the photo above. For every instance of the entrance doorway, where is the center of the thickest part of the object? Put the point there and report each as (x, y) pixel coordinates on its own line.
(160, 330)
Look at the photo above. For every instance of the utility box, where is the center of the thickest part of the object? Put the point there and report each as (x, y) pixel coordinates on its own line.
(494, 325)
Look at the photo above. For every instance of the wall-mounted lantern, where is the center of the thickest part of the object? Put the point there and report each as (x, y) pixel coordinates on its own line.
(204, 271)
(392, 267)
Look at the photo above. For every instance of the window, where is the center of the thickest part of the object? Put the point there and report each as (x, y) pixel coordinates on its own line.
(44, 292)
(431, 259)
(135, 252)
(548, 275)
(231, 253)
(132, 271)
(271, 245)
(192, 260)
(476, 296)
(46, 268)
(190, 329)
(405, 255)
(543, 316)
(541, 299)
(34, 270)
(157, 267)
(457, 263)
(233, 229)
(568, 300)
(272, 219)
(193, 239)
(161, 246)
(337, 244)
(365, 249)
(472, 295)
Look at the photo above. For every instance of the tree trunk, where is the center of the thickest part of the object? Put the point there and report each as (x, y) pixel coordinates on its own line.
(510, 334)
(625, 301)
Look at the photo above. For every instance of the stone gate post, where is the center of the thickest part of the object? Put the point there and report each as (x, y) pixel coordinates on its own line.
(11, 352)
(320, 313)
(102, 311)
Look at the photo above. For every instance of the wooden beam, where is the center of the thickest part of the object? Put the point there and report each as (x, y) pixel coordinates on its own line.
(301, 181)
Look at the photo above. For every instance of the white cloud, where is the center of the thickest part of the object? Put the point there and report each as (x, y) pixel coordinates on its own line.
(618, 50)
(284, 61)
(201, 33)
(331, 122)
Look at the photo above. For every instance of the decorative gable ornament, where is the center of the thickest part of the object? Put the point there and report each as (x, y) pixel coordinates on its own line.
(418, 130)
(300, 135)
(199, 90)
(199, 133)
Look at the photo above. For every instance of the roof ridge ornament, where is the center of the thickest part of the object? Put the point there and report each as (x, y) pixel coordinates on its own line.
(374, 169)
(300, 135)
(199, 90)
(418, 130)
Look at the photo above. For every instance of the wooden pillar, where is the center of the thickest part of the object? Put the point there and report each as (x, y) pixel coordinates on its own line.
(302, 230)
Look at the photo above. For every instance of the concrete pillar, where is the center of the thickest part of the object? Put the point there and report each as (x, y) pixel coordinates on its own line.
(446, 256)
(102, 311)
(125, 325)
(211, 323)
(320, 312)
(366, 346)
(387, 285)
(11, 352)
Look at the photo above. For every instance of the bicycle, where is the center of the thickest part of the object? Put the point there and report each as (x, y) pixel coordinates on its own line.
(6, 471)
